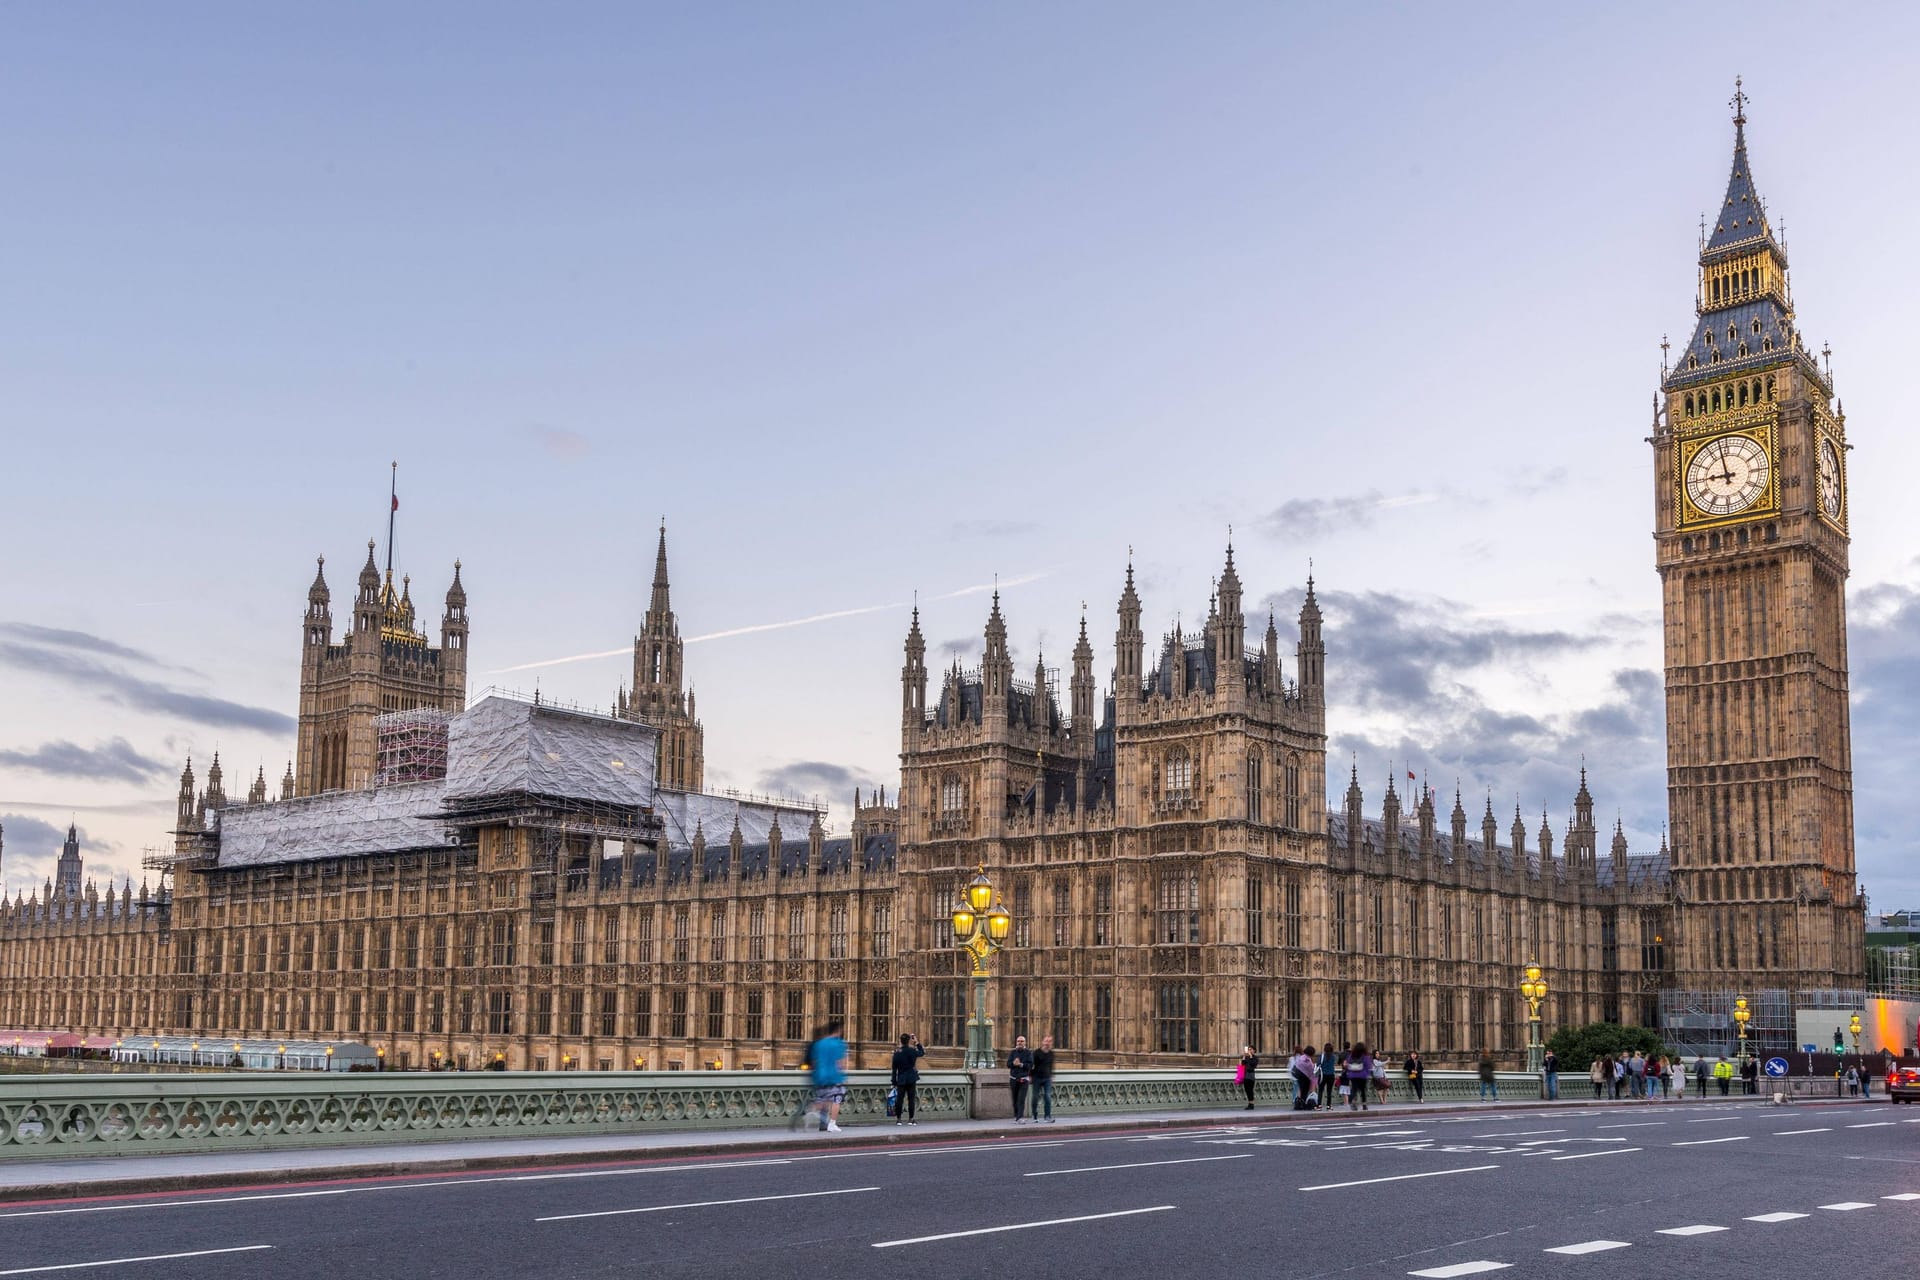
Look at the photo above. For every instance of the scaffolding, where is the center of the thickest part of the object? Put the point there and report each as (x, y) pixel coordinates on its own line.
(410, 746)
(1701, 1023)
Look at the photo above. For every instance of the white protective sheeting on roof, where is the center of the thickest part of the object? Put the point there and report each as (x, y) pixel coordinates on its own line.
(684, 812)
(339, 824)
(500, 746)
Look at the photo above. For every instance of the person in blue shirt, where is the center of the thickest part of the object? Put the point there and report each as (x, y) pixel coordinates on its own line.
(827, 1072)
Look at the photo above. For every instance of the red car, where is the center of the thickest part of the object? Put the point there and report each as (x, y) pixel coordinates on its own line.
(1903, 1084)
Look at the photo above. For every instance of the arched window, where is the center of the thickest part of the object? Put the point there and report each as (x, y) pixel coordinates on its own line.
(1294, 817)
(1743, 386)
(1177, 780)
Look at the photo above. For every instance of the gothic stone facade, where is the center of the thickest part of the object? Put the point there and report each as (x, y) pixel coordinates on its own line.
(1177, 884)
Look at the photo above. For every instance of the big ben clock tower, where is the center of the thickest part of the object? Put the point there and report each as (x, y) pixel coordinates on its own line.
(1750, 529)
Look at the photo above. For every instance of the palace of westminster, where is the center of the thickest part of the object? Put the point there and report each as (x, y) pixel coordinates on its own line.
(542, 887)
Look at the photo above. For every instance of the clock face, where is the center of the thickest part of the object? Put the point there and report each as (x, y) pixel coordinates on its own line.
(1727, 476)
(1830, 479)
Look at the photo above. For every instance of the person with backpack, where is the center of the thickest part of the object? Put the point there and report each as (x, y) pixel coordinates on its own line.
(906, 1079)
(1489, 1085)
(1306, 1079)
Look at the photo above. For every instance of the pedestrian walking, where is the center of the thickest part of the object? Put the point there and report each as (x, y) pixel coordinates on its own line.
(1700, 1073)
(827, 1071)
(1043, 1078)
(1416, 1075)
(1020, 1076)
(1377, 1076)
(1489, 1087)
(906, 1079)
(1244, 1073)
(1550, 1071)
(1750, 1076)
(1359, 1074)
(1723, 1074)
(1598, 1074)
(1866, 1080)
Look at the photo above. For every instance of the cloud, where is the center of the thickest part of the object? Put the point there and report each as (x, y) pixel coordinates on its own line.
(559, 442)
(959, 648)
(112, 761)
(56, 638)
(811, 777)
(1309, 519)
(145, 695)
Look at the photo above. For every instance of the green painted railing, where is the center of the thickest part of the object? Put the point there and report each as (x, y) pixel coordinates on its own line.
(63, 1116)
(67, 1116)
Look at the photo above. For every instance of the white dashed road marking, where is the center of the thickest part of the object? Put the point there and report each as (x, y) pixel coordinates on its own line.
(1637, 1124)
(1904, 1195)
(1401, 1177)
(1023, 1226)
(114, 1262)
(1846, 1205)
(1874, 1124)
(1611, 1151)
(1788, 1133)
(1700, 1230)
(1706, 1142)
(1149, 1164)
(1775, 1217)
(1461, 1269)
(1589, 1246)
(704, 1204)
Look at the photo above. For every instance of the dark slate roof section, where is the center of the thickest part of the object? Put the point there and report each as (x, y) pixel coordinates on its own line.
(1742, 218)
(1196, 660)
(972, 702)
(646, 866)
(1718, 356)
(1644, 871)
(793, 855)
(753, 860)
(679, 866)
(880, 851)
(718, 861)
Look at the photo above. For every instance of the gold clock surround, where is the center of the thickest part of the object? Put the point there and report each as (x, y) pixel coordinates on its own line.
(1766, 503)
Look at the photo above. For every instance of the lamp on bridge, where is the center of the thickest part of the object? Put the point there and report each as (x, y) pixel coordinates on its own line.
(1741, 1016)
(1853, 1026)
(980, 928)
(1533, 989)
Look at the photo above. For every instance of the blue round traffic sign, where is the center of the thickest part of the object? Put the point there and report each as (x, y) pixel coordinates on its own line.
(1776, 1066)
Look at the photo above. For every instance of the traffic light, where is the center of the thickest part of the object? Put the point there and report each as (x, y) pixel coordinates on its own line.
(1839, 1041)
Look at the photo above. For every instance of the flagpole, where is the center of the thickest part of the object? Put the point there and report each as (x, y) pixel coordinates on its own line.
(393, 506)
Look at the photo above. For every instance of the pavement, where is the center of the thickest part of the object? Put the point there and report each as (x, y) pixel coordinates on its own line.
(1441, 1191)
(28, 1178)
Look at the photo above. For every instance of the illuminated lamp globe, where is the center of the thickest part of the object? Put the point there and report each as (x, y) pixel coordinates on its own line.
(999, 924)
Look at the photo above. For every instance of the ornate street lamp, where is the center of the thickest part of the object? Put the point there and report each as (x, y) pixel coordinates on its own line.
(1533, 989)
(1853, 1026)
(980, 928)
(1741, 1016)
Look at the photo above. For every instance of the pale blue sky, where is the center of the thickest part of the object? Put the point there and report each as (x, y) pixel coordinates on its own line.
(874, 299)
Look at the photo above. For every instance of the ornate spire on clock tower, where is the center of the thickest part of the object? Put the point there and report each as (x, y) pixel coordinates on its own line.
(1751, 545)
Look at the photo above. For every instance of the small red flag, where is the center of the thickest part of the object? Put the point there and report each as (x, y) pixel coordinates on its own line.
(396, 507)
(1410, 776)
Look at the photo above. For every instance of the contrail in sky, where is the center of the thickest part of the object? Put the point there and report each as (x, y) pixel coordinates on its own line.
(809, 620)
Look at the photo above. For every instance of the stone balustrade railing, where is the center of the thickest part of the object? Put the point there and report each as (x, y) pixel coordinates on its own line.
(65, 1116)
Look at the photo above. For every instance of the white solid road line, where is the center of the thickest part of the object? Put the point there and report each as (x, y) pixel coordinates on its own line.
(1873, 1124)
(1589, 1246)
(1775, 1217)
(1711, 1119)
(1149, 1164)
(394, 1186)
(1610, 1151)
(1022, 1226)
(1518, 1133)
(704, 1204)
(1706, 1142)
(1701, 1230)
(115, 1262)
(1847, 1205)
(1461, 1269)
(1788, 1133)
(1402, 1177)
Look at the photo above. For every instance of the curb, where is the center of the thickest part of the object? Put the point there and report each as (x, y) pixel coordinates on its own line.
(864, 1137)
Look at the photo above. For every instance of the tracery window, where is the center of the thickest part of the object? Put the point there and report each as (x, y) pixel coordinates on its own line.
(837, 930)
(953, 796)
(1103, 909)
(1179, 902)
(1177, 779)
